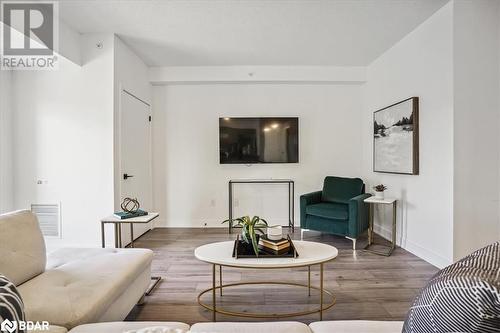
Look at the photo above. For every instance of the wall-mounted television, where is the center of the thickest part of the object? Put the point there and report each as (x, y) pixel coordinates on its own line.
(259, 140)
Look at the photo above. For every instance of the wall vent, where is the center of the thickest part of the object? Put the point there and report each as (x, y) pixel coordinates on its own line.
(49, 218)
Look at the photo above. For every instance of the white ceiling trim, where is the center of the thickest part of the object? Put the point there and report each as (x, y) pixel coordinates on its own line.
(257, 74)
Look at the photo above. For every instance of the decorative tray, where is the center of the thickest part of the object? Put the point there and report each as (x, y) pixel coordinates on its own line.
(244, 250)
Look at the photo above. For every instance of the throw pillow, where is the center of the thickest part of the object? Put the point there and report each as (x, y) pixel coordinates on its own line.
(11, 306)
(463, 297)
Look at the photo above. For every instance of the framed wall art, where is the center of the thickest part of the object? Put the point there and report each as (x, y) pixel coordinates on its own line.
(395, 138)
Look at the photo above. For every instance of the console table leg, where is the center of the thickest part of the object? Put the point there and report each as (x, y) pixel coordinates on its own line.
(116, 235)
(230, 185)
(293, 207)
(370, 224)
(309, 279)
(214, 317)
(220, 279)
(321, 292)
(394, 212)
(131, 235)
(102, 236)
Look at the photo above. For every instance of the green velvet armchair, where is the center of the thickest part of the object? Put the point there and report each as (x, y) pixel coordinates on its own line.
(337, 209)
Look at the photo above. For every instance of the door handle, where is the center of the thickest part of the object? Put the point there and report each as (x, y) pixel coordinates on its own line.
(126, 176)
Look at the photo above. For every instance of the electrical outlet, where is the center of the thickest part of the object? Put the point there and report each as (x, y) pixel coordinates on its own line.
(212, 203)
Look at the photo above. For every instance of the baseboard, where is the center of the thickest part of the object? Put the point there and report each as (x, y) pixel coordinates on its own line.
(208, 223)
(421, 252)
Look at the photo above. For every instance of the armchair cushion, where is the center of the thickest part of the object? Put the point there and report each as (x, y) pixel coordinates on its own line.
(336, 211)
(340, 190)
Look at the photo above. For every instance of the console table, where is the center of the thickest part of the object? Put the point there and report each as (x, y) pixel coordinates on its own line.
(291, 196)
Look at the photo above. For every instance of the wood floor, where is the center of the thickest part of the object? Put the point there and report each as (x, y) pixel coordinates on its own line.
(367, 286)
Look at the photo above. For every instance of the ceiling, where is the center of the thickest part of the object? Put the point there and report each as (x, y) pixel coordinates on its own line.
(252, 32)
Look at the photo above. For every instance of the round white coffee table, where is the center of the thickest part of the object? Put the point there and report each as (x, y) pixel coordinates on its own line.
(309, 254)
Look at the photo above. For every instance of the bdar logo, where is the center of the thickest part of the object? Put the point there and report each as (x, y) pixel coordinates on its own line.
(8, 326)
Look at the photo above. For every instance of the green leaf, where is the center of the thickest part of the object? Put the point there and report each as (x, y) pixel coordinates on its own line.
(260, 230)
(254, 240)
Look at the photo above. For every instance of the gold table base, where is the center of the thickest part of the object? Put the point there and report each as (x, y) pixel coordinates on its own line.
(322, 307)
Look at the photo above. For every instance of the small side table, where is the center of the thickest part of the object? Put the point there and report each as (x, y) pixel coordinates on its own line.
(118, 236)
(118, 227)
(372, 201)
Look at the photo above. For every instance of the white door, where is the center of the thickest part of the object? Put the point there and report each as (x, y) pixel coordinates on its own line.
(135, 157)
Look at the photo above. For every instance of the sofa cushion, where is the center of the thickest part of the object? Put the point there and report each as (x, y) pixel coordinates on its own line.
(22, 247)
(79, 285)
(339, 189)
(128, 326)
(230, 327)
(336, 211)
(356, 326)
(463, 297)
(52, 329)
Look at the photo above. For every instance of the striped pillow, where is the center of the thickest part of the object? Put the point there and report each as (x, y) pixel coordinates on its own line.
(463, 297)
(11, 304)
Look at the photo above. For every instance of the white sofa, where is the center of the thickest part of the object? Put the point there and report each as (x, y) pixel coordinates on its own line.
(351, 326)
(70, 287)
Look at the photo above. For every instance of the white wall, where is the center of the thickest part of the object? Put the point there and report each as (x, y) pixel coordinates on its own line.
(190, 186)
(419, 65)
(130, 74)
(63, 135)
(476, 125)
(6, 179)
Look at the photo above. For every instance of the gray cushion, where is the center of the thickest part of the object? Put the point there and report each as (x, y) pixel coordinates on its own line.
(463, 297)
(22, 247)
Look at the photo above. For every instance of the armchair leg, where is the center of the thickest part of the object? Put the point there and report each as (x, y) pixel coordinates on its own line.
(302, 233)
(353, 242)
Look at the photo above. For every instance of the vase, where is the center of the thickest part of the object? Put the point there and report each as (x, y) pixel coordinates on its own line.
(379, 195)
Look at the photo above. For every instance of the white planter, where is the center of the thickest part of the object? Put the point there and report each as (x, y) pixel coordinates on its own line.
(379, 195)
(275, 233)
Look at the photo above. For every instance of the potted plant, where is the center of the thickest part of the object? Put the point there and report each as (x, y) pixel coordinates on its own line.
(250, 227)
(379, 191)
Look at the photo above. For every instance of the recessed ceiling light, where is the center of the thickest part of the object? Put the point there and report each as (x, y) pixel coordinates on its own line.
(275, 125)
(267, 129)
(227, 118)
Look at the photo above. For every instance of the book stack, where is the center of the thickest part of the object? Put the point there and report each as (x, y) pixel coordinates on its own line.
(277, 247)
(126, 215)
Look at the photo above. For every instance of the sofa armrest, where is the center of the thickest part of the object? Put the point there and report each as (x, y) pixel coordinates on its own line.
(358, 215)
(305, 200)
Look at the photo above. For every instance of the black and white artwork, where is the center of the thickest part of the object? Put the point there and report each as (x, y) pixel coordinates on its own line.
(395, 138)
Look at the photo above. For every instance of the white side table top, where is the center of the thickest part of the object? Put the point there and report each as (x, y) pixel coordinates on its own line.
(310, 253)
(140, 219)
(386, 201)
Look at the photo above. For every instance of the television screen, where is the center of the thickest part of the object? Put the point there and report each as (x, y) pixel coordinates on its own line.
(258, 140)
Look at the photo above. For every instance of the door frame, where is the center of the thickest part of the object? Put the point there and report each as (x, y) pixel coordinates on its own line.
(118, 154)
